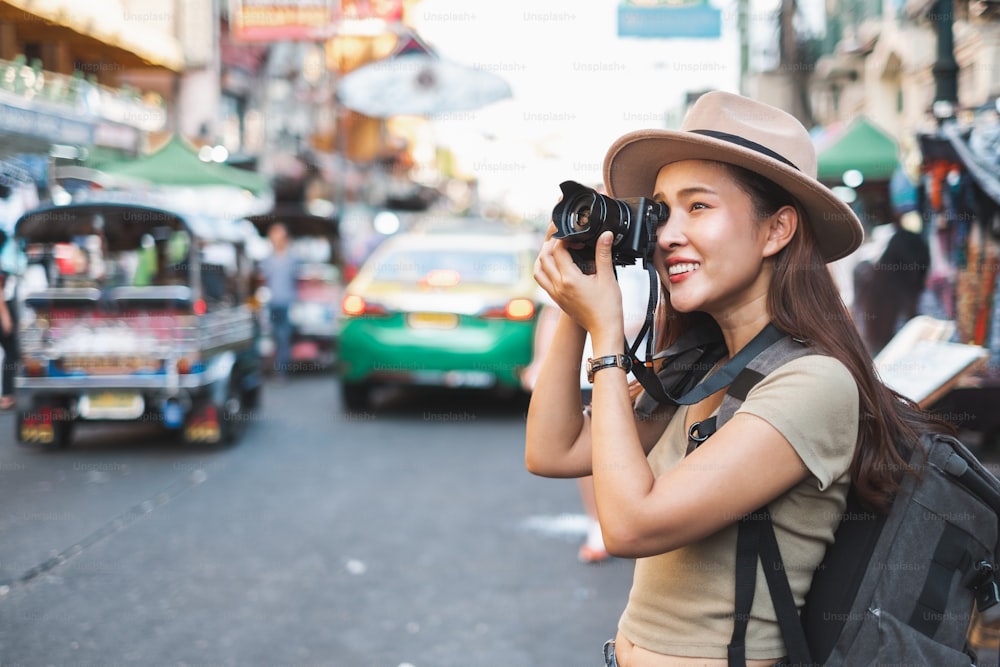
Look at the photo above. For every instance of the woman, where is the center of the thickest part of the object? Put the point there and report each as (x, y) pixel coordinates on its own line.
(746, 243)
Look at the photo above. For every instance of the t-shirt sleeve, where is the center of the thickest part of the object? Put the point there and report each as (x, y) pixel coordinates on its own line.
(813, 402)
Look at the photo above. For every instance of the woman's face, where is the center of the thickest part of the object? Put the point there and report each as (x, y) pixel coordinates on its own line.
(709, 254)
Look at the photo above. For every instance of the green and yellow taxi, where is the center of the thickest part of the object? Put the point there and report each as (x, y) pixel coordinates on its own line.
(440, 307)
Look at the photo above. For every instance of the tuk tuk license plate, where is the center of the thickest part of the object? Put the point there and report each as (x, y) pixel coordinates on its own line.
(111, 405)
(432, 320)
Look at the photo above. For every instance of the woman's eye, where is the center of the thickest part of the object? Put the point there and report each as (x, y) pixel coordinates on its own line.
(698, 205)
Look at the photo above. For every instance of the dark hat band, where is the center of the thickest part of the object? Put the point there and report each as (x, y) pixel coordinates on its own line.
(746, 143)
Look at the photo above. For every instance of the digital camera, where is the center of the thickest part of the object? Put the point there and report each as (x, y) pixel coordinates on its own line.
(583, 214)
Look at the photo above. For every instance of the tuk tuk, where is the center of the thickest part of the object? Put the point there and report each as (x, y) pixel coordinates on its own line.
(315, 244)
(133, 313)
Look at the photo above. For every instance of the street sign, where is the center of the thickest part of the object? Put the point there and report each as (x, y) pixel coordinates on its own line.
(695, 19)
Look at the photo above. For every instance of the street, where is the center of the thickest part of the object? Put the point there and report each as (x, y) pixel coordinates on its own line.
(408, 536)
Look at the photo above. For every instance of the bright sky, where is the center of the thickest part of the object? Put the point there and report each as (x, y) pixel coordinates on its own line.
(576, 87)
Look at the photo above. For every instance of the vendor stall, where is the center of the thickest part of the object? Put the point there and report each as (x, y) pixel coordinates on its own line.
(960, 206)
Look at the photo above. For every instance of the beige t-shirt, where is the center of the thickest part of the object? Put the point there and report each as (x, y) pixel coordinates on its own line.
(682, 602)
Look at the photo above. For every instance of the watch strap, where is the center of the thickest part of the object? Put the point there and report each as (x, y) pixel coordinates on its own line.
(622, 361)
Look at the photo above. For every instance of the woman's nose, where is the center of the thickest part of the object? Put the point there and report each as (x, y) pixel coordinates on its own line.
(671, 234)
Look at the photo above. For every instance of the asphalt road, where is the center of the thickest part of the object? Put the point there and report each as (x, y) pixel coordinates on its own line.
(410, 536)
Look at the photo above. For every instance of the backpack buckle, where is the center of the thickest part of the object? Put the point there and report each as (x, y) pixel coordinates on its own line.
(985, 586)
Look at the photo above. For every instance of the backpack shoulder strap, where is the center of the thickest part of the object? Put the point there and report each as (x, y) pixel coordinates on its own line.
(775, 356)
(778, 352)
(756, 540)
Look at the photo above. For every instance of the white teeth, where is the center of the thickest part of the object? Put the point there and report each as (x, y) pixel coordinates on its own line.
(682, 268)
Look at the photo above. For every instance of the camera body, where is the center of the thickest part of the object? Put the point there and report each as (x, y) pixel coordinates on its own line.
(583, 214)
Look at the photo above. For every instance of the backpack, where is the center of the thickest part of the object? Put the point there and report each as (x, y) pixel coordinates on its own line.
(895, 589)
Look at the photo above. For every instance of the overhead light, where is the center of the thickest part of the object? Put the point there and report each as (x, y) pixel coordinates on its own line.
(853, 178)
(845, 194)
(386, 222)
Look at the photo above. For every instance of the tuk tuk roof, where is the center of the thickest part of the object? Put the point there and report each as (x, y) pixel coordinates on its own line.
(121, 224)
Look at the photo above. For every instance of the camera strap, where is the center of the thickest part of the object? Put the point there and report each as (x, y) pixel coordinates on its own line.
(646, 332)
(687, 361)
(681, 366)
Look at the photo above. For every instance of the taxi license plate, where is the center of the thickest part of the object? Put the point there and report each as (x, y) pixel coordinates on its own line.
(111, 405)
(432, 320)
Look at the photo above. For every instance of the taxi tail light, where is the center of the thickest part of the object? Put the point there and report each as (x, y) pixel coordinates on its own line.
(355, 305)
(515, 309)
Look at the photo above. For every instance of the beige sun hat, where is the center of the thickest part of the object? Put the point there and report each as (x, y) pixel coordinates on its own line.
(738, 130)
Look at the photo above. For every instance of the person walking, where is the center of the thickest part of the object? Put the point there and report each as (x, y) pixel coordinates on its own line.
(8, 342)
(746, 245)
(280, 272)
(8, 327)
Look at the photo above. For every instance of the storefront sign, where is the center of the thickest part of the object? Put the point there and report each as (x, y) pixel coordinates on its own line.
(361, 10)
(679, 19)
(49, 127)
(282, 20)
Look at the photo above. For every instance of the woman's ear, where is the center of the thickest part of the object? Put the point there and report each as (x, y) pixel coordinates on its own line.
(781, 229)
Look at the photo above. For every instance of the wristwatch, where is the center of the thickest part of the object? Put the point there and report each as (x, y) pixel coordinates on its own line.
(621, 361)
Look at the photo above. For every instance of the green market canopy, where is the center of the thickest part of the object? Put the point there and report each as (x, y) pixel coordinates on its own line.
(862, 146)
(177, 163)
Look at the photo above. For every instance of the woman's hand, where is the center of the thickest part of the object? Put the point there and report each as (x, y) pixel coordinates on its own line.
(594, 301)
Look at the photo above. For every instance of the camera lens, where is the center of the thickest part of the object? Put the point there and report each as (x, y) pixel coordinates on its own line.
(580, 214)
(579, 218)
(583, 214)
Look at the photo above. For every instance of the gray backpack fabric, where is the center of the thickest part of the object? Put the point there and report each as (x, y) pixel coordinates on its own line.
(898, 589)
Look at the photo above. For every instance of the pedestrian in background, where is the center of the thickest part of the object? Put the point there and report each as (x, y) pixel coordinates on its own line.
(887, 290)
(280, 272)
(8, 324)
(746, 243)
(8, 342)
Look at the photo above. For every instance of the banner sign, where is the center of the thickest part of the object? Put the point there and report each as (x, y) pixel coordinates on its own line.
(389, 11)
(49, 127)
(282, 20)
(667, 20)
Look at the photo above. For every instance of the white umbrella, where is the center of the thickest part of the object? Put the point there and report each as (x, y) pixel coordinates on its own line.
(416, 82)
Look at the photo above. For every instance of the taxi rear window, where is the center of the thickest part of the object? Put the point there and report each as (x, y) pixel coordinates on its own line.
(412, 266)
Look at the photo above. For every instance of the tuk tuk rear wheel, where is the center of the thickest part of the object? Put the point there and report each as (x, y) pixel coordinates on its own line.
(63, 434)
(231, 412)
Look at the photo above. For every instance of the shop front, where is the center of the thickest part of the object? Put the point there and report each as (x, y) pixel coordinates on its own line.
(960, 206)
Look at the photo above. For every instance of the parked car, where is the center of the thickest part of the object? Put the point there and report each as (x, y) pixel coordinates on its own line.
(315, 243)
(450, 306)
(133, 313)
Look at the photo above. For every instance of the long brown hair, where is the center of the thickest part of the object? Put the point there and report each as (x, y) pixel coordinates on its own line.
(804, 302)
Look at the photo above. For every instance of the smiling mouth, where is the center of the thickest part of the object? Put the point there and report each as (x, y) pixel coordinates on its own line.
(685, 267)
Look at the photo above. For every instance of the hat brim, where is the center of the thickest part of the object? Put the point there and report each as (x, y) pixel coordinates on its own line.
(634, 160)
